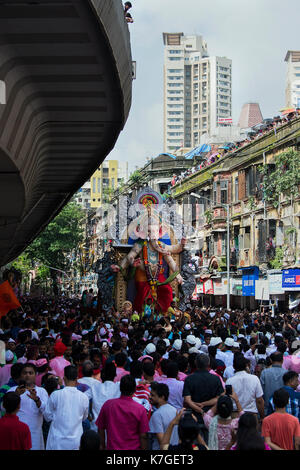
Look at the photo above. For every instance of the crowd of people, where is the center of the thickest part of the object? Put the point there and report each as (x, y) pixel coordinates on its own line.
(203, 379)
(216, 153)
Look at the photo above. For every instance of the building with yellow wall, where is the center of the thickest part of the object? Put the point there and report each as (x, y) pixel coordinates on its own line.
(106, 179)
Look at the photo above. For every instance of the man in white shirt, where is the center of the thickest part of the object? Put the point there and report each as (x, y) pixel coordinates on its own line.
(249, 355)
(229, 342)
(106, 390)
(93, 391)
(247, 387)
(33, 403)
(218, 343)
(66, 409)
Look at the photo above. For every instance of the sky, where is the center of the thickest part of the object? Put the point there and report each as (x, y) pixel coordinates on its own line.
(254, 34)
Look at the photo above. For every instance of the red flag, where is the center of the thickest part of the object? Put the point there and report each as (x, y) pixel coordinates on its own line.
(8, 299)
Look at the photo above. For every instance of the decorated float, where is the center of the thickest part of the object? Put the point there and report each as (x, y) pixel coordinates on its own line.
(148, 259)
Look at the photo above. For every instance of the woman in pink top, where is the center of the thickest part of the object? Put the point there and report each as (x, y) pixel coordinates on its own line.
(247, 436)
(219, 422)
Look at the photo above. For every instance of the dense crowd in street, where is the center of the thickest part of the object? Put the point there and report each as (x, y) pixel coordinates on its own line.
(207, 379)
(215, 154)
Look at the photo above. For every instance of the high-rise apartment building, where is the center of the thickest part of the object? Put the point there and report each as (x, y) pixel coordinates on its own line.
(197, 90)
(292, 92)
(105, 180)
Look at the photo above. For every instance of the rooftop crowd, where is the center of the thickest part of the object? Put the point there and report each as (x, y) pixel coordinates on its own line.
(203, 379)
(255, 133)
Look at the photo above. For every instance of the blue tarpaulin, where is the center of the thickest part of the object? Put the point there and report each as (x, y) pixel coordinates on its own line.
(196, 151)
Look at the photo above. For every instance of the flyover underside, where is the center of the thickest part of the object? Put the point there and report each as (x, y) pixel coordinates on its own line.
(67, 70)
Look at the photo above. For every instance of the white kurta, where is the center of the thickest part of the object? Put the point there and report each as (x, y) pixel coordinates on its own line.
(99, 393)
(66, 409)
(30, 414)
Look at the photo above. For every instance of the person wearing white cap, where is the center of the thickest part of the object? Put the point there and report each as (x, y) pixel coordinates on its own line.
(177, 345)
(150, 348)
(194, 350)
(218, 343)
(191, 340)
(229, 342)
(168, 344)
(207, 338)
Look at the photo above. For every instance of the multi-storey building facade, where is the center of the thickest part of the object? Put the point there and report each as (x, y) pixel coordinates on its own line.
(106, 179)
(292, 92)
(197, 90)
(256, 227)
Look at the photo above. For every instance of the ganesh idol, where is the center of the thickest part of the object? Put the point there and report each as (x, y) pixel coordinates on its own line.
(150, 258)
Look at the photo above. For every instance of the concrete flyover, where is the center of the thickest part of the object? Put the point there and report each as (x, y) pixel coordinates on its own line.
(67, 69)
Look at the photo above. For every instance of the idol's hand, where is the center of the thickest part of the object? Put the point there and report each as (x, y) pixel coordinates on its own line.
(137, 262)
(115, 268)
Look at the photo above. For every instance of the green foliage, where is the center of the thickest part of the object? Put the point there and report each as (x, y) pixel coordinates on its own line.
(285, 178)
(208, 216)
(136, 177)
(23, 264)
(107, 194)
(276, 263)
(58, 239)
(43, 273)
(251, 203)
(291, 230)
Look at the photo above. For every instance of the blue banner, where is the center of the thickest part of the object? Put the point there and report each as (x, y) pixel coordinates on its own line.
(250, 275)
(291, 279)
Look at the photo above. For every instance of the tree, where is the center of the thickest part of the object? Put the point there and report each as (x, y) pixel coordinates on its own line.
(136, 179)
(284, 179)
(54, 245)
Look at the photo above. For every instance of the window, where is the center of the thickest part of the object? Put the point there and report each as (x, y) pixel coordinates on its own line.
(224, 243)
(215, 192)
(94, 185)
(236, 189)
(247, 238)
(98, 185)
(175, 51)
(224, 192)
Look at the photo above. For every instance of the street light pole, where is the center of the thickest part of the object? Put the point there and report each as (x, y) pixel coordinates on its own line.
(228, 257)
(227, 206)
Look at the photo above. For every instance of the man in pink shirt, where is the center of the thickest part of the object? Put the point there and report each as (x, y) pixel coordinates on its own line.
(59, 363)
(120, 362)
(125, 421)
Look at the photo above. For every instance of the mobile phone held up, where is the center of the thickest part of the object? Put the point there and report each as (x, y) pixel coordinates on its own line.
(228, 390)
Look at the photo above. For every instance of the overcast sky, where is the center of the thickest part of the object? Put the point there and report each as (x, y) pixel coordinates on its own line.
(254, 34)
